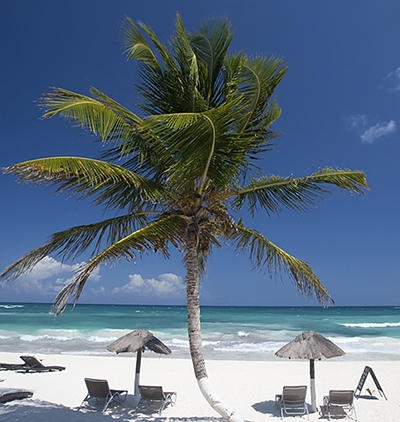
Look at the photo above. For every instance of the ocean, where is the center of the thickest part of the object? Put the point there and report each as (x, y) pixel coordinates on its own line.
(231, 333)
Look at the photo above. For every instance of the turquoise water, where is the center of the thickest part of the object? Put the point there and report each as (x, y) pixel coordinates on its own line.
(251, 333)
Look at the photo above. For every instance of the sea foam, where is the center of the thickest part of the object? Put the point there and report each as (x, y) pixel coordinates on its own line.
(372, 324)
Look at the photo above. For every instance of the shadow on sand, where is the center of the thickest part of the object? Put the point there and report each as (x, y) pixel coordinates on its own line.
(41, 411)
(267, 407)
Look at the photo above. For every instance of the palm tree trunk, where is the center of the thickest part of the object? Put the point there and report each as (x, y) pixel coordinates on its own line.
(194, 331)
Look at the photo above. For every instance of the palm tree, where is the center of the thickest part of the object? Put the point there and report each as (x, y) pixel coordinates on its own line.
(186, 168)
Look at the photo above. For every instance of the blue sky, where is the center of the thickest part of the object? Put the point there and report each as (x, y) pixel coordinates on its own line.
(340, 107)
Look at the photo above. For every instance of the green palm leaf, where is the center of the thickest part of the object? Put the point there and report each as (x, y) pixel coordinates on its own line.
(271, 193)
(88, 177)
(266, 255)
(154, 237)
(166, 56)
(105, 117)
(186, 57)
(210, 43)
(260, 78)
(256, 80)
(136, 45)
(76, 240)
(202, 146)
(92, 114)
(26, 263)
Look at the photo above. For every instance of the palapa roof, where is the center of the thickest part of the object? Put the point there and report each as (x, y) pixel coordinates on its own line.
(138, 340)
(310, 345)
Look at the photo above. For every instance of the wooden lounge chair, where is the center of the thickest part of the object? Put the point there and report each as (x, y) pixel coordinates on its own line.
(9, 394)
(31, 364)
(292, 401)
(12, 366)
(340, 403)
(154, 395)
(99, 390)
(34, 365)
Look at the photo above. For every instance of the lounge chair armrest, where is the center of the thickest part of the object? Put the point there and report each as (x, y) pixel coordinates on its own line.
(278, 400)
(171, 395)
(122, 394)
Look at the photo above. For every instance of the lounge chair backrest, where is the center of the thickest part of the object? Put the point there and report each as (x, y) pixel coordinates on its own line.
(341, 396)
(97, 388)
(294, 394)
(151, 392)
(32, 362)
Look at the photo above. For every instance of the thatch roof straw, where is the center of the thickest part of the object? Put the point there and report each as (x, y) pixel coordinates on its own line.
(138, 340)
(310, 345)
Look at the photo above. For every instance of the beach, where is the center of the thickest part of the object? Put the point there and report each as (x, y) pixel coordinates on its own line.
(249, 387)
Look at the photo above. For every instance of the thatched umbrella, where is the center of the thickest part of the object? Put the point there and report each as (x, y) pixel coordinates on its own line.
(310, 345)
(138, 341)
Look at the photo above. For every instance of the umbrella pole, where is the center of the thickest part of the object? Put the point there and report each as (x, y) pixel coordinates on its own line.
(137, 372)
(312, 387)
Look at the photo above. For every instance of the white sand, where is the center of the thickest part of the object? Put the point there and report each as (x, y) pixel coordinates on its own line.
(247, 386)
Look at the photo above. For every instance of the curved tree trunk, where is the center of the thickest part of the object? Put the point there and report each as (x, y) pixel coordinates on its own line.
(194, 331)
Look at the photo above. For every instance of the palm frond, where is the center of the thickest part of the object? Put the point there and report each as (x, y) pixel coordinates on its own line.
(128, 116)
(256, 80)
(211, 43)
(202, 145)
(91, 114)
(136, 45)
(352, 181)
(185, 56)
(192, 78)
(260, 77)
(177, 121)
(152, 238)
(76, 240)
(271, 193)
(26, 263)
(87, 177)
(165, 54)
(113, 122)
(268, 257)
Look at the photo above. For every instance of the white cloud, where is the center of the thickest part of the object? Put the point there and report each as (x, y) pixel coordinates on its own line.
(100, 290)
(377, 131)
(48, 276)
(368, 129)
(95, 275)
(358, 120)
(46, 268)
(392, 80)
(166, 285)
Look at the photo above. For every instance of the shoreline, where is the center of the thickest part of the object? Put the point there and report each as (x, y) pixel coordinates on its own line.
(211, 355)
(249, 387)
